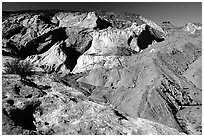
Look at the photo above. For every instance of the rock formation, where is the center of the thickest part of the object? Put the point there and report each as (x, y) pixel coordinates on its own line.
(192, 28)
(101, 73)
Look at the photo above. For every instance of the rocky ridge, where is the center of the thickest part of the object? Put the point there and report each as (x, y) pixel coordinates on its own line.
(103, 73)
(192, 27)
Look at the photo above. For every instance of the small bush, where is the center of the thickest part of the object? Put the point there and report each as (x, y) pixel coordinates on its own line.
(20, 67)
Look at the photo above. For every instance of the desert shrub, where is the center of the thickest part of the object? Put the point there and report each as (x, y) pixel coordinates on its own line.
(20, 67)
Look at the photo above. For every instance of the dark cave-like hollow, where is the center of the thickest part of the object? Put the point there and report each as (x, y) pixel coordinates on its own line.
(146, 38)
(24, 117)
(72, 56)
(102, 24)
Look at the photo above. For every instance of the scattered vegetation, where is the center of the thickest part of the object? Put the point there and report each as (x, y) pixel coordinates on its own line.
(20, 67)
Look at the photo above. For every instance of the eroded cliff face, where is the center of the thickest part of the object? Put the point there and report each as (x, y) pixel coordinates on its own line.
(104, 73)
(33, 34)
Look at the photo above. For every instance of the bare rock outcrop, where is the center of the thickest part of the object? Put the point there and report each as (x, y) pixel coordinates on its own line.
(103, 73)
(112, 44)
(156, 30)
(85, 20)
(192, 28)
(52, 60)
(32, 34)
(44, 106)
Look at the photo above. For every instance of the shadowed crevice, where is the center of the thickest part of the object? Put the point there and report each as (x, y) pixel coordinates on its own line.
(102, 24)
(24, 117)
(146, 38)
(72, 56)
(43, 43)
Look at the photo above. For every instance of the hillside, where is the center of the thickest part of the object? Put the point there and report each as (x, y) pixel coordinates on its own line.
(99, 73)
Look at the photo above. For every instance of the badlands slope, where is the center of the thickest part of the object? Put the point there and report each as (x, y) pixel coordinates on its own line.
(101, 73)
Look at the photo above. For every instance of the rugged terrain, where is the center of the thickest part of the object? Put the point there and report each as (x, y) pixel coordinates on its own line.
(101, 73)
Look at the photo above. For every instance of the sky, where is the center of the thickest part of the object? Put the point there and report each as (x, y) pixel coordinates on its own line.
(178, 13)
